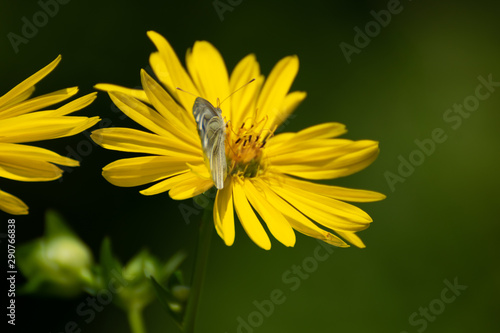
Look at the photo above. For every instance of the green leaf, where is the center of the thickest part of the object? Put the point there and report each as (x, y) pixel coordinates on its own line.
(173, 264)
(108, 262)
(168, 301)
(176, 279)
(55, 225)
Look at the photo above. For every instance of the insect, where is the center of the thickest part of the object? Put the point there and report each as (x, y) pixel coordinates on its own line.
(212, 131)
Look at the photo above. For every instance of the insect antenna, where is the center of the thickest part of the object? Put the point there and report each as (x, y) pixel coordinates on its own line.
(186, 92)
(219, 104)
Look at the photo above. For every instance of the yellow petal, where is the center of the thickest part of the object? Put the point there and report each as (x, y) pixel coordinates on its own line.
(283, 141)
(190, 187)
(142, 170)
(38, 103)
(336, 207)
(67, 108)
(276, 88)
(209, 73)
(168, 105)
(248, 219)
(141, 113)
(345, 231)
(161, 71)
(336, 192)
(315, 173)
(290, 103)
(318, 212)
(322, 131)
(243, 103)
(19, 98)
(28, 84)
(14, 151)
(296, 219)
(135, 93)
(82, 123)
(359, 151)
(179, 121)
(174, 74)
(356, 167)
(277, 224)
(345, 161)
(218, 222)
(27, 170)
(30, 127)
(167, 184)
(352, 238)
(310, 153)
(136, 141)
(224, 213)
(75, 105)
(12, 204)
(201, 170)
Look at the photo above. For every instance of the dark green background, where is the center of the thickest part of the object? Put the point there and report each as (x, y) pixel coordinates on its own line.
(441, 223)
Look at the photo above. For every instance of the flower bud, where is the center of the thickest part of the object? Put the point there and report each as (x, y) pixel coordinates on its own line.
(59, 263)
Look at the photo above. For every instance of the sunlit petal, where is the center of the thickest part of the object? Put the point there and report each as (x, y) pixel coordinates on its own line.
(12, 204)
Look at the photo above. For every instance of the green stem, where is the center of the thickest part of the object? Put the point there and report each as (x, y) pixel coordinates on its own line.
(202, 252)
(136, 321)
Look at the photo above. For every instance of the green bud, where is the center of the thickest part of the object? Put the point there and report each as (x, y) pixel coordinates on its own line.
(181, 293)
(140, 275)
(57, 264)
(143, 265)
(139, 292)
(67, 259)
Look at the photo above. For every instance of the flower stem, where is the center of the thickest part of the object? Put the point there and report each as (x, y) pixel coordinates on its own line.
(136, 321)
(203, 249)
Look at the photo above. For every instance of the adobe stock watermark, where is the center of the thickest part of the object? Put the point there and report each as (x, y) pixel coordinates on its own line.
(453, 117)
(292, 279)
(30, 26)
(222, 6)
(428, 314)
(372, 29)
(92, 304)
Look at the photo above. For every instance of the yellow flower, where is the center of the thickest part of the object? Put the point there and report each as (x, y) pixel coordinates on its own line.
(22, 122)
(263, 168)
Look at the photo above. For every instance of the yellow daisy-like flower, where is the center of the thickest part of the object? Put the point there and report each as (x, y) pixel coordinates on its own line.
(21, 122)
(265, 171)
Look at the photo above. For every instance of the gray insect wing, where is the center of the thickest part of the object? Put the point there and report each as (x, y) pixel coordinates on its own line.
(212, 131)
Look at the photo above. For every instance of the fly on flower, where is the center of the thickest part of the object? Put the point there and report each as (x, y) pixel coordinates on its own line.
(272, 175)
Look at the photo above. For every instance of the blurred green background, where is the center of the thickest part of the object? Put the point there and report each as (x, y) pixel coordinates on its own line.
(439, 224)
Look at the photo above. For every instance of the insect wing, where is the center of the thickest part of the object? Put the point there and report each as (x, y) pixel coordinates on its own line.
(217, 151)
(212, 131)
(203, 111)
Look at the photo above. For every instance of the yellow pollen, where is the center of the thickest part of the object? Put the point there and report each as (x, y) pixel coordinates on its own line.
(244, 147)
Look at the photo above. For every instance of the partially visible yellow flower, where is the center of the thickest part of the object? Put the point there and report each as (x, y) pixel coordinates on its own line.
(22, 122)
(265, 171)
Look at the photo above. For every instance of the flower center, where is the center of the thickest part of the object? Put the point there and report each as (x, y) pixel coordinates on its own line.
(244, 148)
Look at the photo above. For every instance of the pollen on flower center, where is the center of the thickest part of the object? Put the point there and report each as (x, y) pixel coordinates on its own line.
(244, 147)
